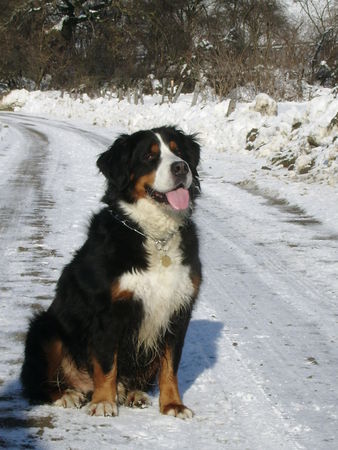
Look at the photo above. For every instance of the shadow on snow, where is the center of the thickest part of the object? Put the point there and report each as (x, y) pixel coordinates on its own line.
(200, 351)
(19, 428)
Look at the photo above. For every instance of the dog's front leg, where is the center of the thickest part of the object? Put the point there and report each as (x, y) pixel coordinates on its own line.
(170, 399)
(103, 401)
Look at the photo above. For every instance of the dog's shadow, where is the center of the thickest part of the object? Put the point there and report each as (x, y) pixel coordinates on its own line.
(200, 351)
(19, 428)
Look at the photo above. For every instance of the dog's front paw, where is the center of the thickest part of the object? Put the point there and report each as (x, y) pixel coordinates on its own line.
(70, 399)
(177, 410)
(102, 409)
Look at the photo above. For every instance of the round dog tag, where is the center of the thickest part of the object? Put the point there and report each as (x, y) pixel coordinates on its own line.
(166, 260)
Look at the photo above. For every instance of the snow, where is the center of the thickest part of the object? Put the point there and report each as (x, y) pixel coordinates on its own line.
(265, 105)
(260, 362)
(317, 9)
(284, 134)
(59, 25)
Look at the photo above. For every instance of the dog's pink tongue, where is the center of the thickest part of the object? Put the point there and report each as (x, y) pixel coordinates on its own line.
(178, 199)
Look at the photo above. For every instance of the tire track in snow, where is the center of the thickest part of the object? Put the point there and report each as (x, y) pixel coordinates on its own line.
(24, 204)
(265, 307)
(27, 266)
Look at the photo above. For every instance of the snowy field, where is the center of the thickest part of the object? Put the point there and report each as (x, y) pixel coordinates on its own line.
(260, 361)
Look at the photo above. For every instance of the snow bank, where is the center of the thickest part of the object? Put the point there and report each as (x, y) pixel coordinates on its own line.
(265, 105)
(299, 140)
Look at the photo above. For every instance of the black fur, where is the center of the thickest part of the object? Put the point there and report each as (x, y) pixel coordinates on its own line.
(83, 316)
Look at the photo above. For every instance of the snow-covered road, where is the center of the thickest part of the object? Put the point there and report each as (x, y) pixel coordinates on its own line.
(260, 362)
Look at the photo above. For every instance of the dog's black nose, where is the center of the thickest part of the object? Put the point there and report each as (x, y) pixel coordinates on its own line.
(179, 168)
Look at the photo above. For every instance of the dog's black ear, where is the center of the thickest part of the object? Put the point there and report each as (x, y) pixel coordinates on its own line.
(194, 149)
(193, 153)
(114, 163)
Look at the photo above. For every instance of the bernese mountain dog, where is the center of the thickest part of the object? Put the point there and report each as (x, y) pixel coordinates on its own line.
(123, 304)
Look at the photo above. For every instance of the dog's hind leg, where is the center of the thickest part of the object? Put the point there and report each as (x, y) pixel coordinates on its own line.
(48, 373)
(43, 355)
(133, 398)
(137, 399)
(75, 383)
(71, 399)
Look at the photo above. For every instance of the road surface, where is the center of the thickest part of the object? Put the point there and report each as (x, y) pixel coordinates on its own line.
(260, 363)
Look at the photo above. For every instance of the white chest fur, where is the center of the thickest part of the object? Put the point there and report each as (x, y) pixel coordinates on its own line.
(162, 290)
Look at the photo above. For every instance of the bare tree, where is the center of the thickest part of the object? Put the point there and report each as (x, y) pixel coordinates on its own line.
(322, 32)
(223, 43)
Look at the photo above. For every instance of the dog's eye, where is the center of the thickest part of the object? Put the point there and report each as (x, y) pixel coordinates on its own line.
(150, 156)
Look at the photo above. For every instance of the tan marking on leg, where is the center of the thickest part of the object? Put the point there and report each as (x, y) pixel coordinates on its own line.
(168, 382)
(142, 182)
(76, 378)
(54, 353)
(104, 384)
(103, 401)
(63, 374)
(170, 400)
(120, 294)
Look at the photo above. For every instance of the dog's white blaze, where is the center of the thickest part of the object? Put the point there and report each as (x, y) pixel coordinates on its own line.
(162, 290)
(164, 180)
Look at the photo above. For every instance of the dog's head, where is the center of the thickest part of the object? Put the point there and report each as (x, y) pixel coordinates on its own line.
(158, 164)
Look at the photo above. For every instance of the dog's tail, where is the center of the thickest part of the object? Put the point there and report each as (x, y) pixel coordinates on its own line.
(43, 354)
